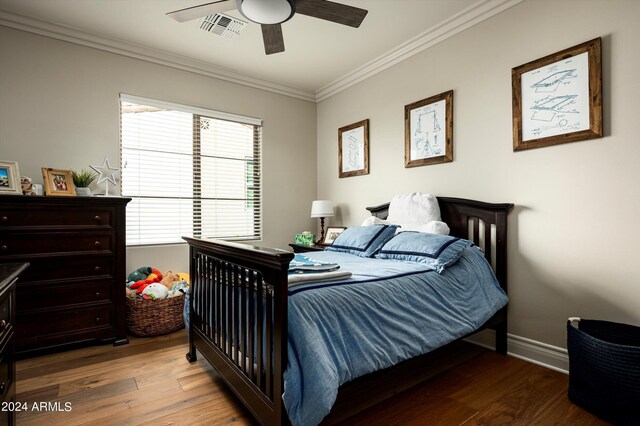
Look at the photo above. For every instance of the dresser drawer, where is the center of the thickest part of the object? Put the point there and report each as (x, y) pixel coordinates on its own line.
(65, 268)
(19, 243)
(39, 326)
(52, 216)
(6, 375)
(46, 296)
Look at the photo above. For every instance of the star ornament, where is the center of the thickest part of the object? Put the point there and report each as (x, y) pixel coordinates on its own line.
(106, 172)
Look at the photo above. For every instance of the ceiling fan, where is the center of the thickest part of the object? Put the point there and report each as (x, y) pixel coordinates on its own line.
(271, 13)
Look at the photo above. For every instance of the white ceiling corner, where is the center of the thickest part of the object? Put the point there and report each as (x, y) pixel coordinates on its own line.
(312, 68)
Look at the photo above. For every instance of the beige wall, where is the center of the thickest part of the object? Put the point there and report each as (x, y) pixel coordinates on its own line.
(59, 108)
(572, 248)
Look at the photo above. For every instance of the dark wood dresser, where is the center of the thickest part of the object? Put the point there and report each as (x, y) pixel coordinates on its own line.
(73, 291)
(9, 273)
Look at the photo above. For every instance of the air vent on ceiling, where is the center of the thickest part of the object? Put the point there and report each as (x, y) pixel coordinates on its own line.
(223, 25)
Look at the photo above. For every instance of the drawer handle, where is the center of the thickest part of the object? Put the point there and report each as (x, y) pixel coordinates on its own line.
(98, 244)
(4, 248)
(3, 325)
(97, 218)
(97, 294)
(97, 320)
(5, 219)
(97, 269)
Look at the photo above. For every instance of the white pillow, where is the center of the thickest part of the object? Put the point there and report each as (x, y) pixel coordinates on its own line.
(374, 220)
(433, 227)
(416, 208)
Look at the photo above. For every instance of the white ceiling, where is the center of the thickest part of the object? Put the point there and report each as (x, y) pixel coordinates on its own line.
(319, 54)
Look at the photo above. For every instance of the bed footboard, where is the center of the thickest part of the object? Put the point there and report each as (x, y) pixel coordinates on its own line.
(238, 320)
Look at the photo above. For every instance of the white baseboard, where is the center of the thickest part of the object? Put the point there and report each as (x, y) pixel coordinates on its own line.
(529, 350)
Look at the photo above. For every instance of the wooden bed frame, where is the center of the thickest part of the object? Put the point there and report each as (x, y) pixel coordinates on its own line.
(253, 280)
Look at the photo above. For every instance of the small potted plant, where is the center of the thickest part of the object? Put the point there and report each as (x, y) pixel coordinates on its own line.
(82, 180)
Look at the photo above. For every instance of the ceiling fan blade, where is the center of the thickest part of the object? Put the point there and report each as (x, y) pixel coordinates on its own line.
(273, 40)
(206, 9)
(330, 11)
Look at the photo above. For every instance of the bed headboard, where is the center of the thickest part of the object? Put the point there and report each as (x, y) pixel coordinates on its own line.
(483, 223)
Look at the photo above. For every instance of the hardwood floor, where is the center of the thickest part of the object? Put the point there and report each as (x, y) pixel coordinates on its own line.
(149, 381)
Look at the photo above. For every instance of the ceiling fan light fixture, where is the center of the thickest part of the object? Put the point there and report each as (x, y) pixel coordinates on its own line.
(267, 11)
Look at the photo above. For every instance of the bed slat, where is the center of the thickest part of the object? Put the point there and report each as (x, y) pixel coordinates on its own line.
(251, 323)
(259, 331)
(268, 346)
(488, 243)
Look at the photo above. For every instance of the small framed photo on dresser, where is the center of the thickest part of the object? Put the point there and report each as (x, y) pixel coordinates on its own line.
(10, 178)
(58, 182)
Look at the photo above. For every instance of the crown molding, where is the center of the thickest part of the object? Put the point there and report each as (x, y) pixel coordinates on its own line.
(478, 12)
(474, 14)
(137, 51)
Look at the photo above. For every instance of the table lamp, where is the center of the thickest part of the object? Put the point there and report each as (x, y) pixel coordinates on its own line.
(321, 209)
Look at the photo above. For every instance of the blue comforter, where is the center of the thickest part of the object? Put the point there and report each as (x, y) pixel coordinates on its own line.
(387, 312)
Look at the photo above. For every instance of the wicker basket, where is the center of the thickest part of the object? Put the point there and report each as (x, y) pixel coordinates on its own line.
(604, 369)
(154, 317)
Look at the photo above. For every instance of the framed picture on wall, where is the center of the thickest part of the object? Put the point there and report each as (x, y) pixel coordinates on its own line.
(428, 131)
(10, 178)
(58, 182)
(353, 149)
(558, 98)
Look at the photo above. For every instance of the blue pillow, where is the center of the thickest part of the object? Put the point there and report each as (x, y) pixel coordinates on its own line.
(437, 251)
(363, 241)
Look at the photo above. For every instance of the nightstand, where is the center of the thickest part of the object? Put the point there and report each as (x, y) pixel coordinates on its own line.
(297, 248)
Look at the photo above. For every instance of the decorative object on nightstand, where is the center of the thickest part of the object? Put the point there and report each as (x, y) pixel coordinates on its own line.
(305, 239)
(322, 209)
(332, 234)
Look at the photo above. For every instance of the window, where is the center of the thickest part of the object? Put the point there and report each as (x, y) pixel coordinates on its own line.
(189, 172)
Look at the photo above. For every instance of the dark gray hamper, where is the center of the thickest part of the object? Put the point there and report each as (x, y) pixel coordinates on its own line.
(604, 369)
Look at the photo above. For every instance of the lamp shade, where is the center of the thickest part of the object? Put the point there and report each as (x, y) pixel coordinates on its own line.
(322, 208)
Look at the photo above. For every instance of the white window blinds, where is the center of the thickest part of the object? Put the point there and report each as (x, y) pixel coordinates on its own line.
(189, 172)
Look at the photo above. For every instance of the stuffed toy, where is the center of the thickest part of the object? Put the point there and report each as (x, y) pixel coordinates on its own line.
(170, 279)
(131, 294)
(139, 286)
(139, 274)
(179, 288)
(155, 291)
(155, 274)
(184, 276)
